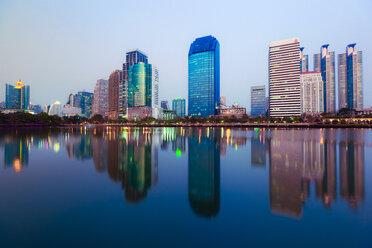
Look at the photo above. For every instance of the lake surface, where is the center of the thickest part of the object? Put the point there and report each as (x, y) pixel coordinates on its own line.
(185, 187)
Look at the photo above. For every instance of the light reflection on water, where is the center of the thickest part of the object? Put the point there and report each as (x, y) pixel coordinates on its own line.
(316, 165)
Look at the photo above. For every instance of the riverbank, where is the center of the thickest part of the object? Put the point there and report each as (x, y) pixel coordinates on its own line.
(225, 125)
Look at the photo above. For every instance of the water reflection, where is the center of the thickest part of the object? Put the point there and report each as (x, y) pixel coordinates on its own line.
(204, 172)
(319, 164)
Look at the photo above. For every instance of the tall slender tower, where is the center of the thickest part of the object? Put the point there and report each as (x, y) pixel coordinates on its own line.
(304, 61)
(350, 78)
(284, 78)
(325, 64)
(204, 77)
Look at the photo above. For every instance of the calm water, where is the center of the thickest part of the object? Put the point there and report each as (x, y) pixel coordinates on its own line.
(183, 187)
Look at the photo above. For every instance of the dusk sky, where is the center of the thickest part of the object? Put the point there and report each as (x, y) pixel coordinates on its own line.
(59, 47)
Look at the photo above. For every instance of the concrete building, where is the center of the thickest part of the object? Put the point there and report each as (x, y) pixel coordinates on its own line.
(304, 61)
(113, 94)
(284, 78)
(234, 110)
(311, 92)
(70, 111)
(55, 109)
(100, 98)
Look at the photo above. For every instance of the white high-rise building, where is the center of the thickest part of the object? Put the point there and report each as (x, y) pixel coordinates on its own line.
(311, 92)
(284, 78)
(100, 98)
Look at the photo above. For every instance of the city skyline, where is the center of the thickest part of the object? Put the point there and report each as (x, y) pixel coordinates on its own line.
(77, 55)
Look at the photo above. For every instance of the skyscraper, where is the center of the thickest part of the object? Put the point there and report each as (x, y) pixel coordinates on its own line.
(204, 77)
(350, 78)
(325, 64)
(100, 98)
(133, 57)
(143, 80)
(284, 78)
(17, 96)
(311, 92)
(258, 101)
(179, 106)
(113, 94)
(304, 61)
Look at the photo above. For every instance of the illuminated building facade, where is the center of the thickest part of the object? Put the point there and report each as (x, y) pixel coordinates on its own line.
(311, 92)
(204, 77)
(179, 106)
(258, 101)
(284, 78)
(132, 57)
(17, 96)
(100, 98)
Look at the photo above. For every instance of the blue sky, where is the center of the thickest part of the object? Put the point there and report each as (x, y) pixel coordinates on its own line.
(59, 47)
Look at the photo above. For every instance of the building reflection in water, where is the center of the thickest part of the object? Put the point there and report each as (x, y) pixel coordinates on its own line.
(204, 172)
(16, 154)
(259, 147)
(351, 151)
(128, 155)
(298, 159)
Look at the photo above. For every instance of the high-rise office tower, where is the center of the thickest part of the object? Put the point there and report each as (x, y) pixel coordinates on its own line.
(133, 57)
(179, 106)
(100, 98)
(204, 77)
(325, 64)
(143, 80)
(311, 92)
(113, 94)
(284, 78)
(258, 101)
(350, 78)
(17, 96)
(304, 61)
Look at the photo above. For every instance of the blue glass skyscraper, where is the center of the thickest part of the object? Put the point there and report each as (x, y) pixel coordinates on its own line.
(204, 77)
(258, 101)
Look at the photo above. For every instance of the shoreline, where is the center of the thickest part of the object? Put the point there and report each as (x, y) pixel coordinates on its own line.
(224, 125)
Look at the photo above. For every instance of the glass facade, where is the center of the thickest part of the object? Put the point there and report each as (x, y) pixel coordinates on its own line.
(132, 57)
(204, 77)
(17, 96)
(258, 101)
(83, 100)
(140, 87)
(325, 64)
(179, 106)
